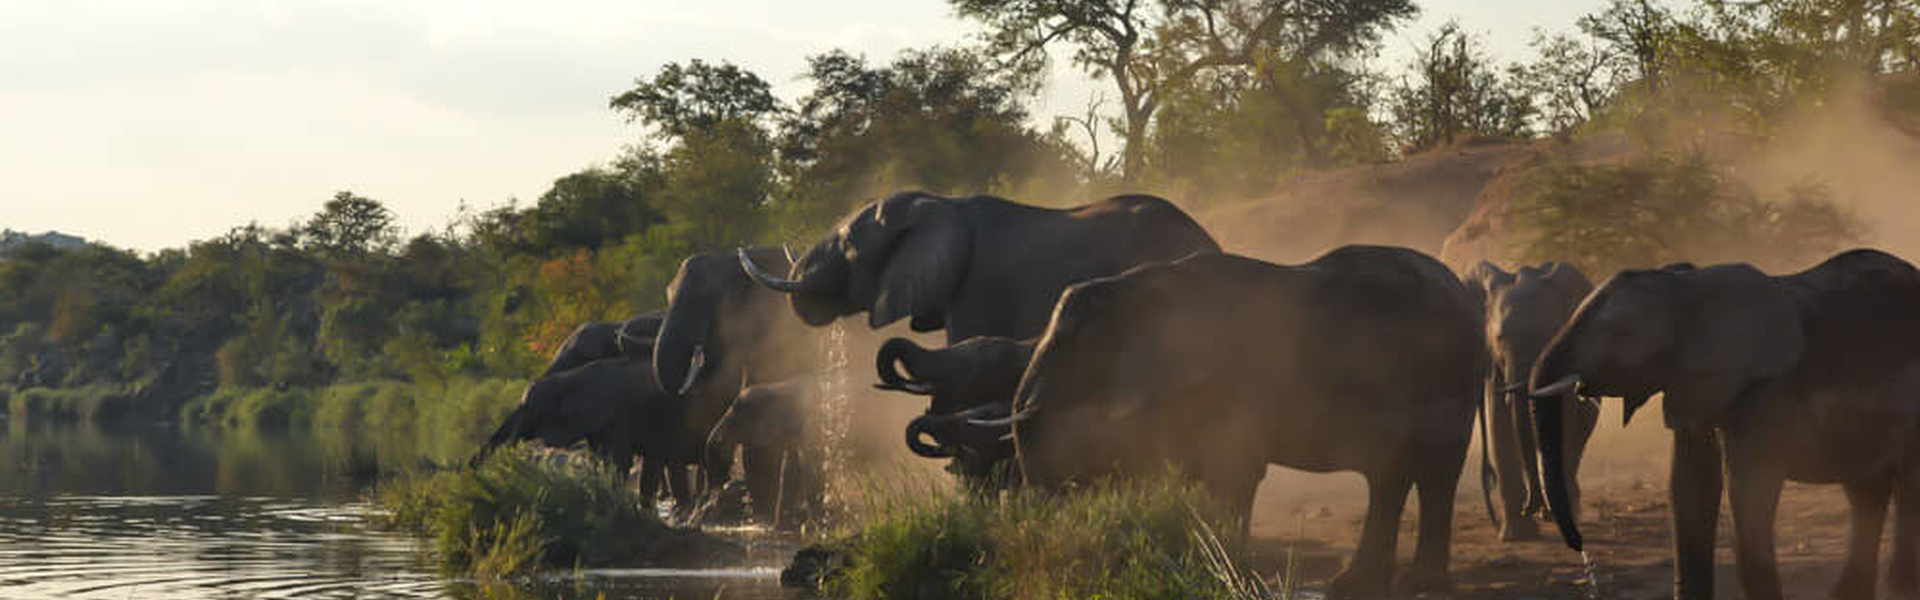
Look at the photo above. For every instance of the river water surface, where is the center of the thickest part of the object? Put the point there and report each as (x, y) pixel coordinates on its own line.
(158, 512)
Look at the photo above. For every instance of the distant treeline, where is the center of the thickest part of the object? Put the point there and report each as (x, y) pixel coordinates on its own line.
(1212, 101)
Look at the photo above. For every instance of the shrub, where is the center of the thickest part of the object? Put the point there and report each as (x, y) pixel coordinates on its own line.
(93, 402)
(514, 514)
(1665, 209)
(1152, 539)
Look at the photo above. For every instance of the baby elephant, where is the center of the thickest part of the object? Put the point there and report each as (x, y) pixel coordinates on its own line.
(1523, 311)
(967, 382)
(773, 424)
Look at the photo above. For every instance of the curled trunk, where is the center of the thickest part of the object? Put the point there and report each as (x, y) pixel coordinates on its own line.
(887, 362)
(919, 427)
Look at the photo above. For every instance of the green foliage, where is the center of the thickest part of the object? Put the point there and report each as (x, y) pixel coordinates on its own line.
(443, 421)
(1668, 209)
(92, 402)
(682, 100)
(1154, 539)
(515, 514)
(1456, 92)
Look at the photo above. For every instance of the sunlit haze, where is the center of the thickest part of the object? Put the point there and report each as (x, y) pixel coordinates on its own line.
(150, 124)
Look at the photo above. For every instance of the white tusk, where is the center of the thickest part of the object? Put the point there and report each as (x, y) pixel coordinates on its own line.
(778, 284)
(1558, 388)
(694, 366)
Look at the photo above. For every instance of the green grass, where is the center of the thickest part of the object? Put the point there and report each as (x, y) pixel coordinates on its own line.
(515, 514)
(440, 423)
(93, 402)
(1150, 540)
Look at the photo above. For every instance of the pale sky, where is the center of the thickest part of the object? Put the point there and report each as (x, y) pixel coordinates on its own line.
(149, 123)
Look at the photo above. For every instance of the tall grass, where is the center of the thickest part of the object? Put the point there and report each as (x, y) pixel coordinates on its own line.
(92, 402)
(441, 422)
(515, 514)
(1155, 539)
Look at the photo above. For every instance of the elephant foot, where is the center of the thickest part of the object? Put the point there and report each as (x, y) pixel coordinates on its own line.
(1854, 587)
(1520, 529)
(1421, 581)
(1357, 583)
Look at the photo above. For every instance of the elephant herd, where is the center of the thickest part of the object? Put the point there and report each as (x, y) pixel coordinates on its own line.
(1116, 338)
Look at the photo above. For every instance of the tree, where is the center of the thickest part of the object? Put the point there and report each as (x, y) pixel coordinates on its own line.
(1571, 82)
(1145, 49)
(351, 226)
(681, 100)
(1456, 91)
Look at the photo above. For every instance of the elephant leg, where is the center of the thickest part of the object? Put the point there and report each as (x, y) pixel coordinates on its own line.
(1435, 486)
(680, 484)
(1868, 504)
(652, 474)
(762, 470)
(1753, 492)
(1510, 470)
(1694, 488)
(1370, 570)
(1903, 573)
(717, 467)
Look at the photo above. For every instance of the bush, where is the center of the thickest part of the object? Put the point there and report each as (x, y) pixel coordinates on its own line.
(1665, 209)
(93, 402)
(1155, 539)
(441, 423)
(515, 514)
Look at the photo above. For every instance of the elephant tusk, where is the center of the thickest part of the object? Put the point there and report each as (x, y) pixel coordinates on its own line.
(791, 259)
(637, 340)
(1514, 388)
(1557, 388)
(694, 366)
(777, 284)
(1006, 421)
(911, 387)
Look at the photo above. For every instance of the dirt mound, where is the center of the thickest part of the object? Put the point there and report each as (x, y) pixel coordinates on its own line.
(1415, 202)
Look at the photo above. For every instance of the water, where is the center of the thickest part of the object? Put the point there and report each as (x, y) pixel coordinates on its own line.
(1593, 576)
(156, 512)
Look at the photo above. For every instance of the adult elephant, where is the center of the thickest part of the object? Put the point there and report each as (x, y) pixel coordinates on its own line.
(1365, 359)
(1811, 377)
(975, 266)
(1523, 309)
(777, 420)
(972, 380)
(611, 405)
(595, 340)
(720, 334)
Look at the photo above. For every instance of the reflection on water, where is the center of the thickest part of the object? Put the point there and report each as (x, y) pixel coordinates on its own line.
(162, 513)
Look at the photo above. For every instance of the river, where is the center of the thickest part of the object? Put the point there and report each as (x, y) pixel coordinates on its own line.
(165, 513)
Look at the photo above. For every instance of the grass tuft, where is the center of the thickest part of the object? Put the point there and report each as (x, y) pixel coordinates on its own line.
(1154, 539)
(516, 514)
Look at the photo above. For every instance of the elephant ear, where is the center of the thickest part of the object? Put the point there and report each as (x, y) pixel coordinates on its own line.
(1739, 327)
(929, 260)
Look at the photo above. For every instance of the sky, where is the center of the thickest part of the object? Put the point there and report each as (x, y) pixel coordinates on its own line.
(147, 124)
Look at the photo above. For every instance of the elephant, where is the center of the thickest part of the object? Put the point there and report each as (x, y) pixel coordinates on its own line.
(595, 340)
(972, 380)
(1367, 359)
(610, 404)
(1811, 376)
(774, 422)
(720, 334)
(974, 266)
(1523, 310)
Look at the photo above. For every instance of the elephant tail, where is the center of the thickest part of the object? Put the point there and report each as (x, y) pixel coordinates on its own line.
(1487, 482)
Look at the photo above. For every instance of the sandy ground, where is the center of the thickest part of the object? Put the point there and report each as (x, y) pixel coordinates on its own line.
(1317, 519)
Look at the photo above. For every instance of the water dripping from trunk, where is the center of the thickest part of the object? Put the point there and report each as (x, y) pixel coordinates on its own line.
(1591, 583)
(835, 421)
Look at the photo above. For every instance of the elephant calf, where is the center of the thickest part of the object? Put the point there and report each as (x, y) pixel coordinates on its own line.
(611, 405)
(1366, 359)
(773, 424)
(1523, 310)
(974, 379)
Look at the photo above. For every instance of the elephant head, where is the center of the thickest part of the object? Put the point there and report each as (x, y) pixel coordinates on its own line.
(572, 406)
(1698, 335)
(903, 256)
(977, 371)
(712, 309)
(635, 336)
(767, 414)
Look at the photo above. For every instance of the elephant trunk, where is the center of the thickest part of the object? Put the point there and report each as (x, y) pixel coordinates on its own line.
(918, 427)
(890, 357)
(508, 430)
(681, 351)
(1549, 416)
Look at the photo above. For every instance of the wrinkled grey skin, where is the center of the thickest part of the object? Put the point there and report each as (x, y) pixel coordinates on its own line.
(1366, 359)
(972, 380)
(595, 340)
(611, 405)
(738, 334)
(1811, 377)
(975, 266)
(1523, 311)
(774, 423)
